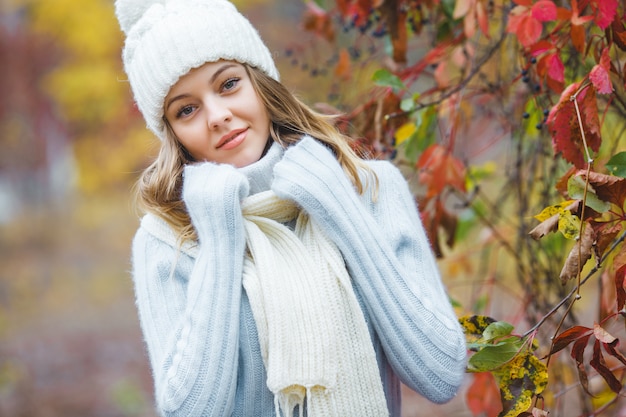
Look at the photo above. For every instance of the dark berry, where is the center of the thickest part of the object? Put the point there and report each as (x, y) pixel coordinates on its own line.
(525, 115)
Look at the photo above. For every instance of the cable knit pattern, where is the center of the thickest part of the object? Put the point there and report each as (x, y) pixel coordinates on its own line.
(197, 321)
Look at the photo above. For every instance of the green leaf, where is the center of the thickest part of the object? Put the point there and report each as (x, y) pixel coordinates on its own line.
(478, 173)
(576, 190)
(497, 330)
(384, 78)
(617, 165)
(492, 357)
(422, 137)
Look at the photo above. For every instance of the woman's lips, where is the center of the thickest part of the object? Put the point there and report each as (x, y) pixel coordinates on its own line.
(232, 139)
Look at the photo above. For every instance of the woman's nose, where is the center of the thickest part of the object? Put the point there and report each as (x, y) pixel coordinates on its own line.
(218, 114)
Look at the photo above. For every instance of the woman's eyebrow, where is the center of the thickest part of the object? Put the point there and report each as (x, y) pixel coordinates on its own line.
(212, 80)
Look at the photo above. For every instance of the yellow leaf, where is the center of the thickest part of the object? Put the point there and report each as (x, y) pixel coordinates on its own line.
(569, 224)
(519, 380)
(550, 211)
(405, 132)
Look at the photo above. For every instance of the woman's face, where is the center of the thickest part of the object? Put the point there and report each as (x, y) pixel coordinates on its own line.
(217, 115)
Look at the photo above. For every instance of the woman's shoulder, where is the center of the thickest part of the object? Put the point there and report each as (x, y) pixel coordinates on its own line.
(154, 228)
(386, 172)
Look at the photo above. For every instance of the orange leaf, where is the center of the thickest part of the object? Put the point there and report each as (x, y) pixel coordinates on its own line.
(343, 69)
(483, 395)
(577, 33)
(439, 169)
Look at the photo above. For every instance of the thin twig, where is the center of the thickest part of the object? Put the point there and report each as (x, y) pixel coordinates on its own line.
(574, 290)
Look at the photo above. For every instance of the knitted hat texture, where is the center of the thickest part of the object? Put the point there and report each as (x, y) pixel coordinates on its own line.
(165, 39)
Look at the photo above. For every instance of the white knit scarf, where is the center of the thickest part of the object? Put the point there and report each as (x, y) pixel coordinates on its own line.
(313, 335)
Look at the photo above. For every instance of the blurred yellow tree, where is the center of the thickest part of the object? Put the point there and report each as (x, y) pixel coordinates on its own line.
(88, 87)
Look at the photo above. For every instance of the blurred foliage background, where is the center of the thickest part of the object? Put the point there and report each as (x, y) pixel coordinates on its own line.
(71, 146)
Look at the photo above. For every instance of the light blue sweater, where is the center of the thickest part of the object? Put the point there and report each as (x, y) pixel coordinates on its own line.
(195, 316)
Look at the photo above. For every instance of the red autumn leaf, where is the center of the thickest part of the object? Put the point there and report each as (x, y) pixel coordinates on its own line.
(611, 349)
(620, 275)
(604, 11)
(599, 74)
(568, 336)
(606, 233)
(578, 351)
(527, 28)
(565, 129)
(541, 47)
(543, 11)
(483, 395)
(556, 69)
(597, 362)
(619, 32)
(607, 187)
(438, 168)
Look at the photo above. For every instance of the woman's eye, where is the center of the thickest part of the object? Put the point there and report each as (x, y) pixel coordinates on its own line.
(184, 111)
(230, 84)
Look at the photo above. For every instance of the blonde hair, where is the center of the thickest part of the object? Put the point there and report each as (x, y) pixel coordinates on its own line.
(159, 188)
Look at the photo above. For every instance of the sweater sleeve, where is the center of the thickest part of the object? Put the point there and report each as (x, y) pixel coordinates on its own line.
(390, 261)
(189, 310)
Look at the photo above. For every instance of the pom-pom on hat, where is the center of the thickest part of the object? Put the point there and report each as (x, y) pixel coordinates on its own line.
(167, 38)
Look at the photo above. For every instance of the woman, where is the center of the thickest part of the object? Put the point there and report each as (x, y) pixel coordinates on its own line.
(276, 273)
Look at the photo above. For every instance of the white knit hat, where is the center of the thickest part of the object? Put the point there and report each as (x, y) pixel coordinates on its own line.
(167, 38)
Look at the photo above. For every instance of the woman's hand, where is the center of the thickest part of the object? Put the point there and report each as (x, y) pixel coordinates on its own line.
(309, 173)
(208, 187)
